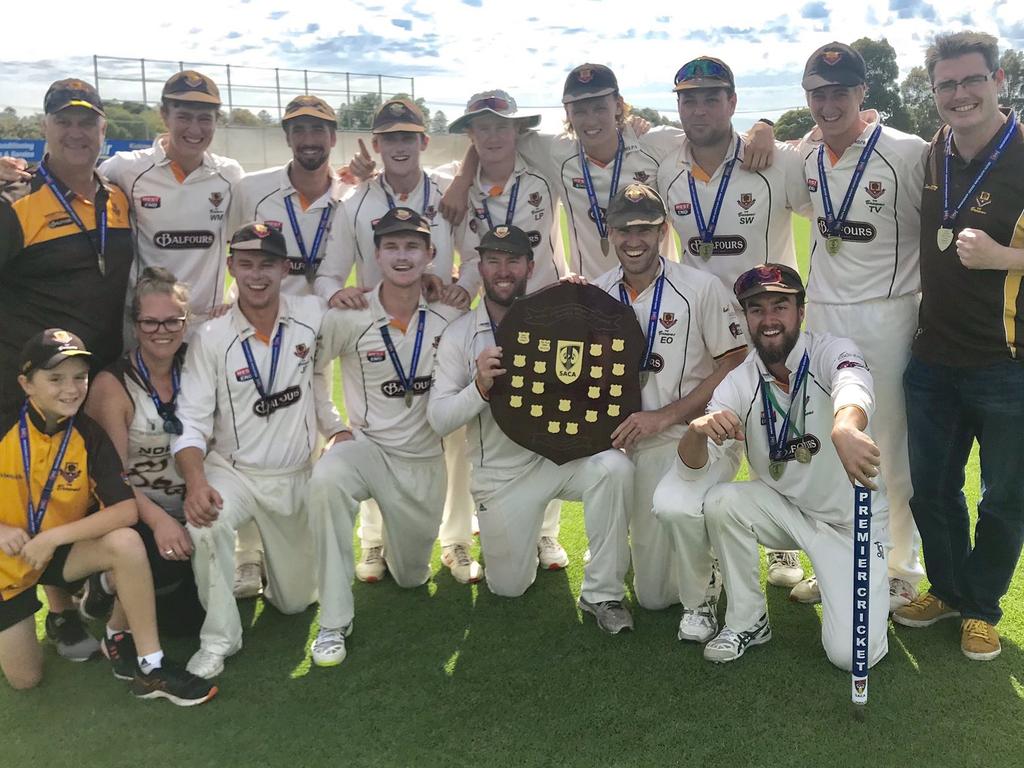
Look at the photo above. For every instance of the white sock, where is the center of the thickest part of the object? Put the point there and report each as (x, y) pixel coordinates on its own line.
(111, 632)
(151, 661)
(105, 583)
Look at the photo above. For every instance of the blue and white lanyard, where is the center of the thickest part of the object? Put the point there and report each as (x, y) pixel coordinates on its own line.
(309, 259)
(101, 218)
(948, 216)
(426, 194)
(595, 209)
(275, 355)
(652, 321)
(510, 213)
(707, 232)
(36, 514)
(161, 407)
(833, 223)
(777, 441)
(406, 381)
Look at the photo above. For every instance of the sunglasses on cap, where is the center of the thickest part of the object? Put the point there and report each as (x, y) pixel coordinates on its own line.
(700, 69)
(763, 275)
(496, 103)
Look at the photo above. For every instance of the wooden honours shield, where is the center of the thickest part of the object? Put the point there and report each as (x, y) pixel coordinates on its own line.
(573, 354)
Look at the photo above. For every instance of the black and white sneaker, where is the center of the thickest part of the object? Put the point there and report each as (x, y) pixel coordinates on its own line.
(171, 681)
(66, 631)
(729, 645)
(96, 603)
(120, 649)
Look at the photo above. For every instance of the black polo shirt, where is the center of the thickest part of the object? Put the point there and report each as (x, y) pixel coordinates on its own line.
(972, 317)
(51, 278)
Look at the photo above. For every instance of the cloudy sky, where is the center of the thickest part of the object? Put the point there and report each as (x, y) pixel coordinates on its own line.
(454, 48)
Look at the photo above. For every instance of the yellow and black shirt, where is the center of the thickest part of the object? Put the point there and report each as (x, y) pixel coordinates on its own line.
(90, 475)
(972, 317)
(51, 276)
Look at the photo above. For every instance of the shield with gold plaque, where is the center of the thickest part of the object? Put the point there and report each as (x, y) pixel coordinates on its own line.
(573, 354)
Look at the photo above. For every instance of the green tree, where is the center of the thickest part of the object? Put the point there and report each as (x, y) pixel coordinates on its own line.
(265, 117)
(358, 115)
(14, 127)
(243, 117)
(652, 116)
(916, 92)
(882, 71)
(793, 124)
(1012, 63)
(439, 122)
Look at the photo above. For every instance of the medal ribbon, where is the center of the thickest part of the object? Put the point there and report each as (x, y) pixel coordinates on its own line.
(101, 218)
(652, 320)
(776, 441)
(164, 410)
(595, 209)
(275, 355)
(948, 216)
(707, 231)
(833, 223)
(407, 381)
(308, 258)
(36, 514)
(511, 212)
(426, 193)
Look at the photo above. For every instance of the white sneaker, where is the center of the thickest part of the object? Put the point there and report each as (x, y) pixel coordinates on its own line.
(784, 569)
(900, 593)
(806, 592)
(248, 581)
(551, 554)
(730, 645)
(329, 646)
(206, 664)
(371, 566)
(464, 568)
(698, 625)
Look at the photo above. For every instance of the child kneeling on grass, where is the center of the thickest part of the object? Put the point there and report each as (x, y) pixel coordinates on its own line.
(57, 466)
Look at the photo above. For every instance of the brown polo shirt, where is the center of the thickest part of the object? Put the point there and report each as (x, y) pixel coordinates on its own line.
(972, 317)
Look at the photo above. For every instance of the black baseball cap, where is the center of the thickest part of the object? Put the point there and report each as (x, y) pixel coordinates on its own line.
(704, 72)
(507, 239)
(588, 81)
(636, 204)
(768, 278)
(398, 115)
(257, 236)
(192, 86)
(72, 92)
(400, 220)
(49, 348)
(309, 106)
(834, 64)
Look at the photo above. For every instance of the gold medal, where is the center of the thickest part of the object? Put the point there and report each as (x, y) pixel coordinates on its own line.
(408, 398)
(776, 468)
(833, 244)
(803, 454)
(704, 250)
(605, 246)
(944, 237)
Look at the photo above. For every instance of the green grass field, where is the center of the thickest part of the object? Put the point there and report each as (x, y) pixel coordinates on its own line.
(449, 675)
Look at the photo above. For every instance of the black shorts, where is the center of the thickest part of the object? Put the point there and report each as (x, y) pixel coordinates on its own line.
(26, 603)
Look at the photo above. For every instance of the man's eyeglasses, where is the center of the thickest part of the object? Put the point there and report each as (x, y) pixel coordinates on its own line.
(948, 87)
(152, 325)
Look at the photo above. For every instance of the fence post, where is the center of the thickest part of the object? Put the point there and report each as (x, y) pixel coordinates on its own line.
(142, 64)
(96, 72)
(277, 82)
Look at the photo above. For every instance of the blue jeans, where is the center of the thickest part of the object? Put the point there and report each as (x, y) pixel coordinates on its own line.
(947, 409)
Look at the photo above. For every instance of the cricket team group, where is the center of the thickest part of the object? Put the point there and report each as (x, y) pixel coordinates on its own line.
(169, 447)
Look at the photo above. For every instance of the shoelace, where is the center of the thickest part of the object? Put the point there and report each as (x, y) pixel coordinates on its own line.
(976, 628)
(461, 556)
(330, 638)
(548, 543)
(373, 555)
(789, 559)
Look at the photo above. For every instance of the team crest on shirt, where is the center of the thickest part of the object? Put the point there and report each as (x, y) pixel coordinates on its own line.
(376, 356)
(746, 200)
(982, 200)
(734, 329)
(641, 176)
(668, 319)
(302, 351)
(682, 209)
(473, 226)
(430, 213)
(70, 472)
(875, 189)
(535, 199)
(216, 214)
(812, 185)
(150, 201)
(579, 183)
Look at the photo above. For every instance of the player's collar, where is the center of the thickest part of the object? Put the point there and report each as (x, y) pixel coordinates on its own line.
(160, 154)
(382, 316)
(245, 329)
(517, 170)
(793, 359)
(332, 195)
(620, 279)
(686, 156)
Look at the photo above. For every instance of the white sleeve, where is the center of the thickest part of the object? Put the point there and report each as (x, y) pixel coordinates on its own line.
(724, 398)
(791, 163)
(722, 330)
(239, 211)
(661, 141)
(339, 255)
(915, 174)
(115, 169)
(848, 376)
(328, 419)
(197, 401)
(537, 150)
(339, 333)
(454, 398)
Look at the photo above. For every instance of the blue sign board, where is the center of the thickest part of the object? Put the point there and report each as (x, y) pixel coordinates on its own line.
(32, 150)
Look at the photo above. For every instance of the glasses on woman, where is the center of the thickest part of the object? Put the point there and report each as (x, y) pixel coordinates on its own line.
(152, 325)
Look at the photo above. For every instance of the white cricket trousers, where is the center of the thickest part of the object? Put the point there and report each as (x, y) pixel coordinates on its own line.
(457, 523)
(884, 330)
(275, 501)
(410, 495)
(511, 508)
(679, 507)
(741, 515)
(655, 572)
